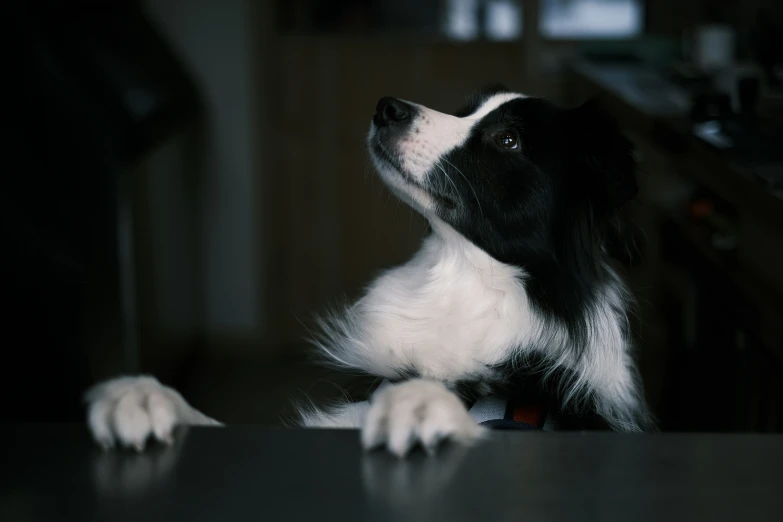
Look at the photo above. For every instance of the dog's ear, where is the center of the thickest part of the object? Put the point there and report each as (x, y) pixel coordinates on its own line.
(603, 154)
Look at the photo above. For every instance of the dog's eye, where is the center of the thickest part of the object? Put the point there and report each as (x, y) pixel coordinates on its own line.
(506, 140)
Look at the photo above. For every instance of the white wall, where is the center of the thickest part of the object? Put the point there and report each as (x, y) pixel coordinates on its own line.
(215, 41)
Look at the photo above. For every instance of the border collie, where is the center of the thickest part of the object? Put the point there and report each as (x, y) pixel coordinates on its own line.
(511, 295)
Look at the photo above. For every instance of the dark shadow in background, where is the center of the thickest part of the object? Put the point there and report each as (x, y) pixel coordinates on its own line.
(92, 87)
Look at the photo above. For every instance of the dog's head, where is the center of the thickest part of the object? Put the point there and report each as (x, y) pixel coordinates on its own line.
(508, 172)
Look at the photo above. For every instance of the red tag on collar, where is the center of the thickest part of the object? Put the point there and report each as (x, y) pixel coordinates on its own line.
(529, 412)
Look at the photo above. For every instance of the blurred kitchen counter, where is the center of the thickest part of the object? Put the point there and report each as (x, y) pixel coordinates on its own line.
(720, 310)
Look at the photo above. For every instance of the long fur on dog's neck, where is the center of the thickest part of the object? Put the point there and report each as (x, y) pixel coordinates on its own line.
(454, 313)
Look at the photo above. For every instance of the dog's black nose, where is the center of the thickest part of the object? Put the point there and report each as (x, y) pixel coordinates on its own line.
(391, 110)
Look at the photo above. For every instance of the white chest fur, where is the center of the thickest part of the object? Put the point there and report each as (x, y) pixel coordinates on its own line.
(447, 314)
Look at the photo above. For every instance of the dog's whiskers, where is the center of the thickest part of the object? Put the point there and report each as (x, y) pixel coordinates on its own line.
(475, 195)
(438, 164)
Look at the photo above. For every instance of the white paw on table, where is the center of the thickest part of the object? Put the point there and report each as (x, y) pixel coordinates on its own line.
(414, 412)
(128, 411)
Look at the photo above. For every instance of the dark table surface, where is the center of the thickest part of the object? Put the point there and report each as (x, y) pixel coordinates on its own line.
(53, 472)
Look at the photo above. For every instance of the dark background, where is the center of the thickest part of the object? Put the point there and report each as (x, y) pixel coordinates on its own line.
(185, 185)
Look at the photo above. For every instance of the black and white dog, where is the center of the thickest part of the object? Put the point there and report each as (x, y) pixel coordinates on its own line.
(512, 290)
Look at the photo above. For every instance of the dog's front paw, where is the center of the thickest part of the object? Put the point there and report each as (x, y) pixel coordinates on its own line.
(128, 410)
(417, 411)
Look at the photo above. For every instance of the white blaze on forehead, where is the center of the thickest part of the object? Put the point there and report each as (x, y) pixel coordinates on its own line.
(492, 103)
(433, 134)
